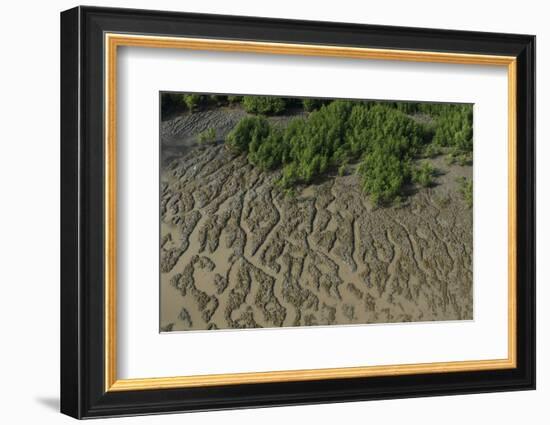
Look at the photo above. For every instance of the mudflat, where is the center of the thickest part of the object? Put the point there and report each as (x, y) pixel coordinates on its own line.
(237, 252)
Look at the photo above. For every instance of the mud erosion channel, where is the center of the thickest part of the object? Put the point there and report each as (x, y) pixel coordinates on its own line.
(237, 253)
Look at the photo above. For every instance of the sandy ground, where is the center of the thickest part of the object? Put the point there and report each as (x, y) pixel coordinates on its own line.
(237, 253)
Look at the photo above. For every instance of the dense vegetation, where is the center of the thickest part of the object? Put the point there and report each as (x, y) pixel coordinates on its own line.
(266, 105)
(424, 174)
(381, 141)
(379, 138)
(175, 102)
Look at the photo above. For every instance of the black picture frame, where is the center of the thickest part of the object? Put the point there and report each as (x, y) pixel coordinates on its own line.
(82, 219)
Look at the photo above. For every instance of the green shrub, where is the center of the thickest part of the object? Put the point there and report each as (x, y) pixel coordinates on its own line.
(424, 174)
(208, 136)
(267, 152)
(457, 156)
(431, 151)
(383, 125)
(383, 175)
(465, 158)
(342, 169)
(311, 104)
(290, 193)
(387, 140)
(454, 127)
(466, 188)
(192, 101)
(264, 105)
(250, 130)
(408, 108)
(313, 144)
(450, 159)
(289, 177)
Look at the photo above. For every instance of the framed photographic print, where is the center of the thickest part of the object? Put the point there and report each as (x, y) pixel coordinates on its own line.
(261, 212)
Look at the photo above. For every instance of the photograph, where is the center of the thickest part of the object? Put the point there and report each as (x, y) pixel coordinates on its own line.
(286, 211)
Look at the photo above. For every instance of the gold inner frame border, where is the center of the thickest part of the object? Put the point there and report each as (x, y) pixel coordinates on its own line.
(111, 43)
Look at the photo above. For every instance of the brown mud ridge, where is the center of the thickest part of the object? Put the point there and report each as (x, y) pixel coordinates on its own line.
(238, 253)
